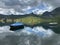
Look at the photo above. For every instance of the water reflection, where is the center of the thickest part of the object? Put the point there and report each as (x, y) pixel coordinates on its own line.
(40, 35)
(55, 27)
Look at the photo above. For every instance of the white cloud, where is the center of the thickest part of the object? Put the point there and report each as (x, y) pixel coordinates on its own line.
(54, 3)
(20, 6)
(46, 7)
(9, 12)
(39, 11)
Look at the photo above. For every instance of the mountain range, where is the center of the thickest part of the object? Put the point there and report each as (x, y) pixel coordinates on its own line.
(55, 12)
(46, 14)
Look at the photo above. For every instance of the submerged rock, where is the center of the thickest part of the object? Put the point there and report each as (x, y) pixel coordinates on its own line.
(16, 26)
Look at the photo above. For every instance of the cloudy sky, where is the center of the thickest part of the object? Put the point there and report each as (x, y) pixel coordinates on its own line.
(27, 6)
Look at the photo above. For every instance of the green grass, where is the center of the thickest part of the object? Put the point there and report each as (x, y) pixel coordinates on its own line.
(32, 20)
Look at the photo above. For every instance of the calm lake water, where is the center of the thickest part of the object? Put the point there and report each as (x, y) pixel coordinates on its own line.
(39, 35)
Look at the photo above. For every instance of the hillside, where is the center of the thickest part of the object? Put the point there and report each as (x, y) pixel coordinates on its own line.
(31, 19)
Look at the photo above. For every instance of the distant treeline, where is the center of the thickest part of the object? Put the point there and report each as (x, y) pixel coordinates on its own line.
(9, 19)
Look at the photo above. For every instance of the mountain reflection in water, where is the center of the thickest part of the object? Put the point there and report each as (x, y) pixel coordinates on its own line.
(55, 27)
(40, 35)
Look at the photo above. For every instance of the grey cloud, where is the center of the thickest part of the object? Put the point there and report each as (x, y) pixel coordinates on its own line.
(54, 3)
(18, 5)
(12, 2)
